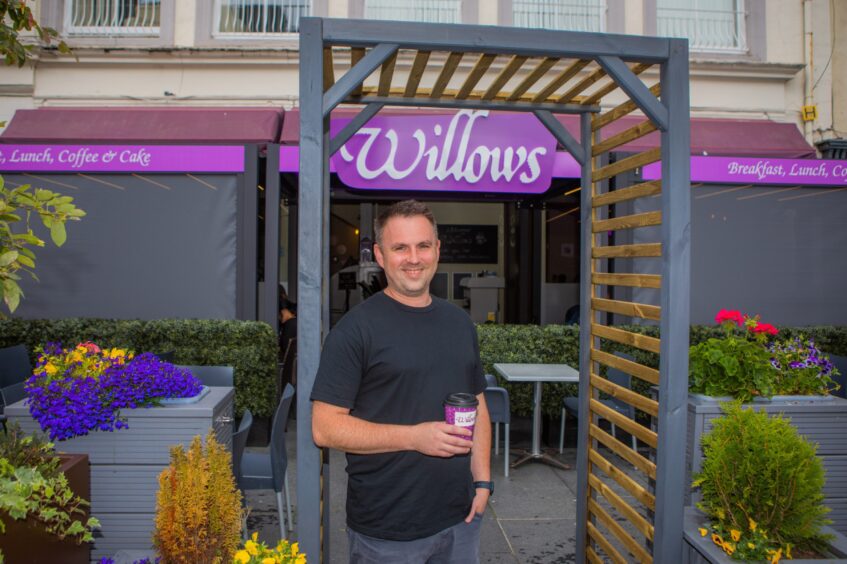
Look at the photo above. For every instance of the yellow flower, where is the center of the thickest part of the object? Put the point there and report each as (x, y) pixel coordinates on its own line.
(729, 547)
(788, 551)
(777, 556)
(268, 561)
(76, 356)
(703, 531)
(753, 525)
(242, 557)
(50, 369)
(301, 559)
(255, 536)
(251, 548)
(751, 545)
(735, 533)
(716, 538)
(295, 548)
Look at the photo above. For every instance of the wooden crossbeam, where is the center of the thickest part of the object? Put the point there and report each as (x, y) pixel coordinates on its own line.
(581, 85)
(619, 111)
(624, 279)
(534, 76)
(629, 163)
(616, 501)
(415, 75)
(630, 367)
(634, 399)
(639, 250)
(633, 546)
(622, 478)
(634, 458)
(642, 342)
(356, 55)
(329, 70)
(560, 79)
(610, 551)
(631, 134)
(386, 73)
(645, 219)
(450, 66)
(633, 192)
(597, 96)
(633, 428)
(512, 67)
(482, 63)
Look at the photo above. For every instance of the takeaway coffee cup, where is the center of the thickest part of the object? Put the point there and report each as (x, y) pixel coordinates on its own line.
(460, 410)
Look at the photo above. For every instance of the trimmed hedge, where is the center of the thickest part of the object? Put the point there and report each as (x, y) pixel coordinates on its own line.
(249, 346)
(560, 344)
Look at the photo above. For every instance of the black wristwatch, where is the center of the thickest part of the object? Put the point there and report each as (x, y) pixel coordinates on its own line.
(486, 485)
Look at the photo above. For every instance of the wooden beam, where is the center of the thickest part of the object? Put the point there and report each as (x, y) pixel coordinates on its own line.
(634, 221)
(633, 546)
(482, 63)
(624, 279)
(634, 399)
(512, 67)
(610, 551)
(635, 132)
(560, 79)
(581, 85)
(641, 463)
(641, 190)
(534, 76)
(637, 490)
(356, 55)
(629, 163)
(416, 73)
(386, 73)
(597, 96)
(329, 70)
(639, 250)
(642, 342)
(630, 367)
(633, 516)
(619, 111)
(450, 65)
(624, 422)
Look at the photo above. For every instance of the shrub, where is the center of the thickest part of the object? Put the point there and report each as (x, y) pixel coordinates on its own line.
(198, 507)
(762, 485)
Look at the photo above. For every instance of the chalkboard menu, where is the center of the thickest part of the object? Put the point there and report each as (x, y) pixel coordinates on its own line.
(468, 244)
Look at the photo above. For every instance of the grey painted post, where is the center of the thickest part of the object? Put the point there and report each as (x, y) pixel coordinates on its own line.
(314, 192)
(270, 312)
(245, 307)
(676, 264)
(585, 320)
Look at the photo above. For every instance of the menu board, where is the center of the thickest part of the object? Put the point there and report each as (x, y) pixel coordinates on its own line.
(468, 244)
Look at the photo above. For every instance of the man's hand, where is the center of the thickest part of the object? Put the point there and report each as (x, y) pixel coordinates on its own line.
(480, 501)
(436, 438)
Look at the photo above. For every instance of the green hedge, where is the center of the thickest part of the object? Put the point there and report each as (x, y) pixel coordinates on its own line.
(250, 347)
(560, 344)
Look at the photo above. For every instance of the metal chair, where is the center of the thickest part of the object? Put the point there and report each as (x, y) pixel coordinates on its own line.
(269, 470)
(212, 376)
(840, 363)
(497, 400)
(239, 441)
(14, 365)
(571, 404)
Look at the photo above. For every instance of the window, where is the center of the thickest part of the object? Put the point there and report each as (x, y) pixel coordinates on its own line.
(709, 25)
(430, 11)
(139, 18)
(258, 18)
(571, 15)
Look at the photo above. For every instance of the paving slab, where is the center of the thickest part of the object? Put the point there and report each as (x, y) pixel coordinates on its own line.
(541, 541)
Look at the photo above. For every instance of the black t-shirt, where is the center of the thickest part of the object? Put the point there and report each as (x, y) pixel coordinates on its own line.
(391, 363)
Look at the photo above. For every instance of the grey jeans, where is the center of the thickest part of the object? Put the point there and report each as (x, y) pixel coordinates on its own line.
(458, 544)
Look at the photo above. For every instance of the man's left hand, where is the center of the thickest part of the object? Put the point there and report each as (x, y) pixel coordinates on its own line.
(480, 500)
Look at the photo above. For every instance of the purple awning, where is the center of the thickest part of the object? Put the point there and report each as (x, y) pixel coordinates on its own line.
(144, 125)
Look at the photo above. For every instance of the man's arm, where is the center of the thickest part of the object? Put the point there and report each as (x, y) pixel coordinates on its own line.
(481, 457)
(334, 427)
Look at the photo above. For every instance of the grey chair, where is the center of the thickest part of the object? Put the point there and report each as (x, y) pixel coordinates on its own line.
(239, 441)
(497, 400)
(14, 365)
(269, 470)
(212, 376)
(491, 381)
(840, 363)
(571, 404)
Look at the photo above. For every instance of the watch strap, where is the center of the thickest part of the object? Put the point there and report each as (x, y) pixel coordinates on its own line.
(484, 485)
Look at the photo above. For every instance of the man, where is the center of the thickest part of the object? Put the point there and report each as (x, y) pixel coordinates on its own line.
(417, 486)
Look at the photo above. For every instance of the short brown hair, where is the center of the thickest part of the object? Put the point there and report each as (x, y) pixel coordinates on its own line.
(406, 208)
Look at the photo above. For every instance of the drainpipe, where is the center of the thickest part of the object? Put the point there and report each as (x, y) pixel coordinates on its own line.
(809, 68)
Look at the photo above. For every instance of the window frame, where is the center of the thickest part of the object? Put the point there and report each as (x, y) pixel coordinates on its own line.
(53, 14)
(615, 15)
(205, 37)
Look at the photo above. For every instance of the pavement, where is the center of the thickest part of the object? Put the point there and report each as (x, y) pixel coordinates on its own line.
(529, 520)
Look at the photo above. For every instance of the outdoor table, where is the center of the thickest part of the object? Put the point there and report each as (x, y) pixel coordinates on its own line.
(538, 374)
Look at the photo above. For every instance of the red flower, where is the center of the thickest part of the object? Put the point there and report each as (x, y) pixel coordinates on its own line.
(765, 328)
(729, 315)
(91, 347)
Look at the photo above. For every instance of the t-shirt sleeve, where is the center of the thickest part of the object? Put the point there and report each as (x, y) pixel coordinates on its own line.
(479, 383)
(340, 370)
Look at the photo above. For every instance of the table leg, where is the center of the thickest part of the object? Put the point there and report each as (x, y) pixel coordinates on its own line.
(535, 453)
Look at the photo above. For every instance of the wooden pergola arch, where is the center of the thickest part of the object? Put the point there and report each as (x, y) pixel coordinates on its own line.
(543, 72)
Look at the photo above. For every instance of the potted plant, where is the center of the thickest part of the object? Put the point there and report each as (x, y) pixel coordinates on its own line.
(43, 510)
(762, 494)
(198, 506)
(256, 552)
(751, 363)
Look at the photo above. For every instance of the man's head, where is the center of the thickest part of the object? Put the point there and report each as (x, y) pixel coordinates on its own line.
(407, 249)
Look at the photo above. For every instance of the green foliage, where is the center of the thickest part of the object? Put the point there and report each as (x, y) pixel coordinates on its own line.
(759, 474)
(16, 16)
(249, 346)
(17, 205)
(35, 451)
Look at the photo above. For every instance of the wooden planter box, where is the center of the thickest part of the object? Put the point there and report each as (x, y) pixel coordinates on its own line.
(27, 541)
(821, 419)
(701, 550)
(126, 463)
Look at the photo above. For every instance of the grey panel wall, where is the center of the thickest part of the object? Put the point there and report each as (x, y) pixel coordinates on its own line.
(160, 246)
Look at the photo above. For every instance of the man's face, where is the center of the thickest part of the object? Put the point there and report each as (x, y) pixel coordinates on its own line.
(408, 254)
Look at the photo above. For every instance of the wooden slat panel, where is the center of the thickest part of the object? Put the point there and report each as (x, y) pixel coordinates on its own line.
(629, 163)
(356, 55)
(624, 137)
(624, 422)
(628, 251)
(623, 279)
(634, 517)
(630, 367)
(581, 85)
(631, 309)
(386, 73)
(508, 72)
(642, 190)
(595, 97)
(620, 111)
(643, 342)
(416, 73)
(634, 488)
(634, 399)
(329, 71)
(627, 222)
(611, 552)
(482, 63)
(450, 65)
(592, 557)
(633, 546)
(634, 458)
(534, 76)
(561, 78)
